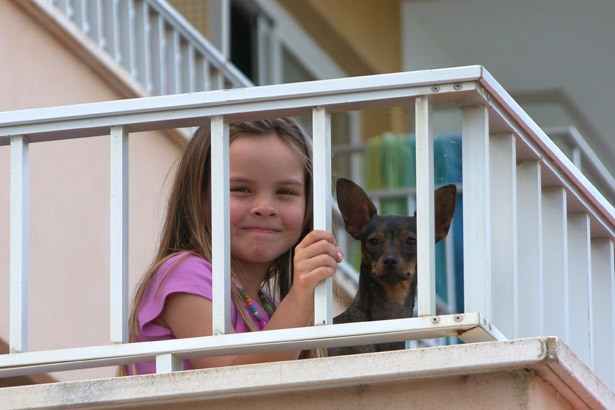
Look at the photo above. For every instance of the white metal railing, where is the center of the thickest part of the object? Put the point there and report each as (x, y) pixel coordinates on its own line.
(538, 237)
(152, 41)
(583, 157)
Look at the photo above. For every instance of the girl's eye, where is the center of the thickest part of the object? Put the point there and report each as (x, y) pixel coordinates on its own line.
(410, 241)
(373, 242)
(286, 192)
(239, 189)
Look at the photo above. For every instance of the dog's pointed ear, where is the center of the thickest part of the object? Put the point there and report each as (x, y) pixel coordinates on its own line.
(356, 208)
(444, 208)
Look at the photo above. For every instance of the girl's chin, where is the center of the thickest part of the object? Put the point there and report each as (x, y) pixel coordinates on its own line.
(261, 258)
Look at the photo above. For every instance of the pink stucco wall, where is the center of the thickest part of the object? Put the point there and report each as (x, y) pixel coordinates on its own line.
(69, 193)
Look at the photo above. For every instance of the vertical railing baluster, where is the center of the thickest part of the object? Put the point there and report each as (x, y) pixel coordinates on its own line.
(321, 123)
(529, 247)
(143, 45)
(67, 8)
(263, 51)
(579, 289)
(79, 16)
(168, 363)
(109, 29)
(451, 274)
(92, 11)
(476, 210)
(127, 45)
(187, 66)
(19, 244)
(220, 217)
(503, 187)
(173, 62)
(603, 308)
(220, 22)
(555, 262)
(276, 76)
(159, 51)
(426, 271)
(217, 79)
(119, 235)
(203, 76)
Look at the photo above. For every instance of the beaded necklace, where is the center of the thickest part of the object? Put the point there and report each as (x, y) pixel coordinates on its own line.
(259, 319)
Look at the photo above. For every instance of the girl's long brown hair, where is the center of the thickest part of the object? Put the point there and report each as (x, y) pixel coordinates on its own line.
(186, 226)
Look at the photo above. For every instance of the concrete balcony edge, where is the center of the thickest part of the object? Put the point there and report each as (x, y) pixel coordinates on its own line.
(548, 357)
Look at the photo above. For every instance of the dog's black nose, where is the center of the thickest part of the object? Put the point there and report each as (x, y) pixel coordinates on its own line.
(389, 261)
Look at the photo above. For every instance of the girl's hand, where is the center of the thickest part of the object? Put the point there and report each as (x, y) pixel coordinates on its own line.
(316, 258)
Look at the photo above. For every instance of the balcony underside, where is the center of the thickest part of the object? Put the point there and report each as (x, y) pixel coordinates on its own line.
(524, 373)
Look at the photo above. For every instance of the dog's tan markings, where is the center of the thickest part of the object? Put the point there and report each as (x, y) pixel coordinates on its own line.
(396, 294)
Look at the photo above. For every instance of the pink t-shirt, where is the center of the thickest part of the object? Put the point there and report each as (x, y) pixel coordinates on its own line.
(181, 273)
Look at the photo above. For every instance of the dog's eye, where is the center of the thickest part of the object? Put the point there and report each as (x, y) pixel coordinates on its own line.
(410, 241)
(373, 242)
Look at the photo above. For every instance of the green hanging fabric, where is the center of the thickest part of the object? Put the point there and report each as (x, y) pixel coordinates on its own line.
(409, 169)
(393, 162)
(373, 164)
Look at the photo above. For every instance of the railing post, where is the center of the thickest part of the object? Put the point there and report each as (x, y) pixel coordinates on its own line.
(555, 261)
(173, 62)
(603, 301)
(220, 230)
(426, 271)
(143, 46)
(168, 363)
(19, 244)
(503, 187)
(476, 210)
(125, 10)
(579, 288)
(529, 244)
(118, 263)
(159, 51)
(321, 135)
(220, 21)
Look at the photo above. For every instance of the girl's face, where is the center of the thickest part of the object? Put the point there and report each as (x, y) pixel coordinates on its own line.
(267, 184)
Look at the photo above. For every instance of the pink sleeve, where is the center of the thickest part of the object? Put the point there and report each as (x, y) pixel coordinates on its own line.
(182, 273)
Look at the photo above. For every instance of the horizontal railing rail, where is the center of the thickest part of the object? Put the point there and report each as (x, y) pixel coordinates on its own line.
(584, 157)
(526, 208)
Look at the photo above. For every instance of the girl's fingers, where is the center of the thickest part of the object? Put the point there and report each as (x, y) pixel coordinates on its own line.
(316, 236)
(339, 256)
(318, 242)
(315, 263)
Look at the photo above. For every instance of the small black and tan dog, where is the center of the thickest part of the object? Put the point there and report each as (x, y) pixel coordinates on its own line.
(388, 278)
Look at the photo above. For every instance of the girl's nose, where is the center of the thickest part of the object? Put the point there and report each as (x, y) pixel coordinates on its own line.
(263, 207)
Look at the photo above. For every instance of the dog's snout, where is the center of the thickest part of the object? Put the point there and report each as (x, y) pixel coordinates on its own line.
(390, 261)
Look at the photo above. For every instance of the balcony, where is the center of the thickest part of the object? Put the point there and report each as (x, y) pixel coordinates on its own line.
(539, 287)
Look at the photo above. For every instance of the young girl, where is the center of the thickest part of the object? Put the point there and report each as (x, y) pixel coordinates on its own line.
(275, 256)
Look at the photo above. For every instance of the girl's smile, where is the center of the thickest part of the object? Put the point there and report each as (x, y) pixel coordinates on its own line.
(267, 183)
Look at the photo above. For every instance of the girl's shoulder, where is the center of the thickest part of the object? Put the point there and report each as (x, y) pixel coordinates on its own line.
(183, 269)
(184, 260)
(184, 272)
